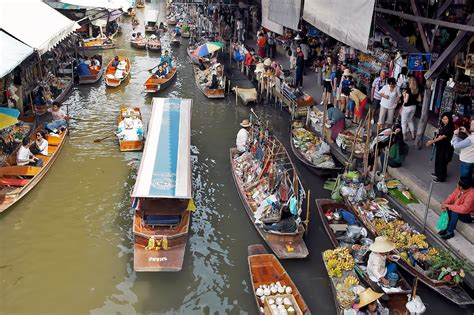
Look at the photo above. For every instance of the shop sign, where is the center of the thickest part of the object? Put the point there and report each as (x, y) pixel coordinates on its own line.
(419, 62)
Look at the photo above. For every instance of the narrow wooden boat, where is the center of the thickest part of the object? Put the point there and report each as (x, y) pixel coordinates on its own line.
(65, 92)
(186, 34)
(456, 294)
(318, 171)
(266, 269)
(130, 145)
(139, 44)
(151, 19)
(96, 44)
(155, 84)
(286, 242)
(175, 42)
(209, 93)
(154, 46)
(110, 79)
(13, 188)
(171, 22)
(163, 189)
(96, 74)
(336, 229)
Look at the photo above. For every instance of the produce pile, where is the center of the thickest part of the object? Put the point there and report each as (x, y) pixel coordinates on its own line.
(338, 260)
(277, 297)
(312, 148)
(401, 234)
(345, 140)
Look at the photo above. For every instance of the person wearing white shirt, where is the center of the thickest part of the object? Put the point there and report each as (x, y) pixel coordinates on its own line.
(243, 136)
(25, 157)
(389, 99)
(40, 146)
(377, 266)
(466, 147)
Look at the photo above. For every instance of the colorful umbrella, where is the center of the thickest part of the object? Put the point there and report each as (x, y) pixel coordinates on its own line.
(207, 48)
(8, 116)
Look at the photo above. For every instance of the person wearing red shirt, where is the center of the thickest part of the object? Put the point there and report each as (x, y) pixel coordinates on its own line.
(261, 42)
(460, 206)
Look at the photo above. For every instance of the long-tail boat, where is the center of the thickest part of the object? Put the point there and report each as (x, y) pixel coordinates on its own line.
(315, 169)
(456, 294)
(110, 78)
(130, 145)
(96, 44)
(209, 93)
(96, 74)
(335, 230)
(162, 196)
(262, 170)
(154, 83)
(13, 188)
(265, 269)
(151, 19)
(140, 43)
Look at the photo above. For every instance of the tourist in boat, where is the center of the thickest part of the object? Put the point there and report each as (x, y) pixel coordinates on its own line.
(139, 37)
(59, 118)
(120, 72)
(242, 141)
(25, 157)
(369, 304)
(115, 62)
(40, 145)
(128, 133)
(160, 72)
(459, 205)
(378, 268)
(95, 62)
(336, 121)
(83, 68)
(87, 61)
(166, 58)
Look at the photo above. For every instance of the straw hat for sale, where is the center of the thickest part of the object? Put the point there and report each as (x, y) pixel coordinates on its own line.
(368, 296)
(245, 123)
(267, 62)
(347, 72)
(382, 245)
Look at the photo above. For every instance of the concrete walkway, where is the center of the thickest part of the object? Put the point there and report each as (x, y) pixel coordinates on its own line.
(415, 174)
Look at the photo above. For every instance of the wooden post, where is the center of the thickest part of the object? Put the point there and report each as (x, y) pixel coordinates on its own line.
(325, 115)
(349, 160)
(236, 95)
(367, 143)
(308, 202)
(376, 153)
(414, 287)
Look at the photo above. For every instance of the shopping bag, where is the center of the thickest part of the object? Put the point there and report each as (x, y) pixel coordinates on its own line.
(443, 221)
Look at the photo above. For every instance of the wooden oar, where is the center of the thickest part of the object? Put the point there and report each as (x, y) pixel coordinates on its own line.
(101, 139)
(150, 70)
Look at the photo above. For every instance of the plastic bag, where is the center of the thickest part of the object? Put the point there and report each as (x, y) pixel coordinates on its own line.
(324, 148)
(443, 221)
(416, 306)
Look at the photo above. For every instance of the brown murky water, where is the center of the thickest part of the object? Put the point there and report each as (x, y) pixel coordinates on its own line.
(66, 248)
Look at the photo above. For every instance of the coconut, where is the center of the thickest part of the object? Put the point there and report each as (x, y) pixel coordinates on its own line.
(281, 307)
(266, 291)
(271, 301)
(259, 292)
(281, 290)
(279, 300)
(273, 307)
(288, 290)
(274, 289)
(286, 301)
(278, 284)
(262, 298)
(291, 311)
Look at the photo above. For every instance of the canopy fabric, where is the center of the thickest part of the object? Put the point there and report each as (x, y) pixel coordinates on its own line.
(165, 168)
(347, 21)
(12, 53)
(266, 22)
(207, 48)
(8, 116)
(151, 15)
(35, 23)
(124, 5)
(285, 12)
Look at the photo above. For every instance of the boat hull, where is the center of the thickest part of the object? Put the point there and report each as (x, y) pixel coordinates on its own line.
(90, 79)
(209, 93)
(135, 145)
(154, 84)
(110, 80)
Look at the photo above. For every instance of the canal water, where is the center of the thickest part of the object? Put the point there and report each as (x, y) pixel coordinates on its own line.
(66, 248)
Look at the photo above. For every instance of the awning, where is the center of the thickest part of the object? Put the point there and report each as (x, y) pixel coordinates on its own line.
(151, 16)
(347, 21)
(165, 168)
(106, 4)
(12, 53)
(285, 12)
(35, 23)
(266, 22)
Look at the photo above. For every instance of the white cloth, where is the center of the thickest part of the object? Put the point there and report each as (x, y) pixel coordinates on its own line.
(242, 139)
(137, 123)
(128, 135)
(408, 113)
(467, 154)
(391, 102)
(42, 146)
(376, 266)
(23, 154)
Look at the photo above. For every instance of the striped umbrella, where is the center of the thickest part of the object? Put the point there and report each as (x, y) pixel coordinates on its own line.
(8, 116)
(207, 48)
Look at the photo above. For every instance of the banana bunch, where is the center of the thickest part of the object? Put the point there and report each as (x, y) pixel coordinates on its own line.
(329, 255)
(417, 240)
(338, 260)
(351, 280)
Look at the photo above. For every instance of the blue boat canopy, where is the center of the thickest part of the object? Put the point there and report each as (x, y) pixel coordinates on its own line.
(165, 168)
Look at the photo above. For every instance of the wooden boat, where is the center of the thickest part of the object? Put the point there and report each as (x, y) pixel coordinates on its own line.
(95, 76)
(336, 229)
(318, 171)
(110, 79)
(13, 188)
(131, 145)
(151, 19)
(163, 189)
(65, 92)
(186, 34)
(266, 269)
(171, 21)
(96, 44)
(285, 243)
(155, 84)
(139, 44)
(209, 93)
(455, 294)
(175, 41)
(154, 45)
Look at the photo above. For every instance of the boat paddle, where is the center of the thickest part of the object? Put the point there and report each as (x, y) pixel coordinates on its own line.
(150, 70)
(101, 139)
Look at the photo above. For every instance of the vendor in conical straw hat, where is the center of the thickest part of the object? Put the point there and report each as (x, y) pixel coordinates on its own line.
(243, 139)
(368, 302)
(378, 267)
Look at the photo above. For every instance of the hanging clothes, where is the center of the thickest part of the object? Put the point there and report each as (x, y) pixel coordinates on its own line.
(447, 101)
